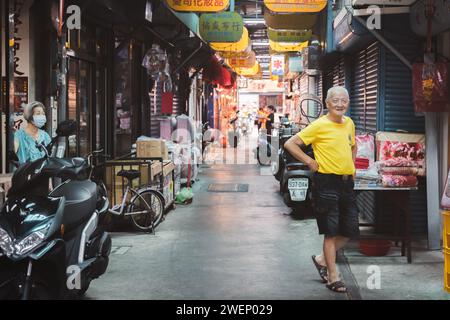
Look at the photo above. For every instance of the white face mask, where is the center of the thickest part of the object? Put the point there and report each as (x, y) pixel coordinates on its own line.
(39, 120)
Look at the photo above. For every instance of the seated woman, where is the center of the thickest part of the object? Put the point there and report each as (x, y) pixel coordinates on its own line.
(25, 139)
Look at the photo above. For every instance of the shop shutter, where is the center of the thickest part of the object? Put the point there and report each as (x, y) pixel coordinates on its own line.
(333, 76)
(363, 111)
(304, 84)
(399, 115)
(339, 72)
(319, 86)
(399, 108)
(364, 91)
(155, 109)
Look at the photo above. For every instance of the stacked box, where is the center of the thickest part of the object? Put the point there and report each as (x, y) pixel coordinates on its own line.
(152, 148)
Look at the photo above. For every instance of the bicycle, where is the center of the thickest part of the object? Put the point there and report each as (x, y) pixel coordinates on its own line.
(146, 206)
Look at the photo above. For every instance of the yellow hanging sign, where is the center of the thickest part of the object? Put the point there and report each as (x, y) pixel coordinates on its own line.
(239, 46)
(245, 61)
(287, 46)
(249, 71)
(295, 5)
(280, 35)
(198, 5)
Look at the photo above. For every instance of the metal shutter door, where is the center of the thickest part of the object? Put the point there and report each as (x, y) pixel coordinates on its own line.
(319, 86)
(363, 111)
(364, 92)
(399, 114)
(339, 72)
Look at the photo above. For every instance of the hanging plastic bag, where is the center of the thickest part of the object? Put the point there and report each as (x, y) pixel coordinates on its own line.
(430, 87)
(154, 61)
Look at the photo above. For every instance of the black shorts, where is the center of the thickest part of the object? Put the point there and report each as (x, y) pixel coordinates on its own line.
(335, 206)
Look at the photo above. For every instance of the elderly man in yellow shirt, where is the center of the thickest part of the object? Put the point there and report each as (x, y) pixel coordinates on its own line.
(333, 140)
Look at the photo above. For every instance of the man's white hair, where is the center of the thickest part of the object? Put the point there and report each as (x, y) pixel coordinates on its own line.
(335, 90)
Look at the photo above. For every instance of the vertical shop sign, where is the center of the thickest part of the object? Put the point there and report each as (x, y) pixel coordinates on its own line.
(277, 65)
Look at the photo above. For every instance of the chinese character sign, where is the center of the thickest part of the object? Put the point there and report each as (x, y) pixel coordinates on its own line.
(280, 35)
(198, 5)
(277, 65)
(295, 5)
(221, 27)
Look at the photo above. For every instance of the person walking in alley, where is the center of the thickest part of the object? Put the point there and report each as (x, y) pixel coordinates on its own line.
(270, 119)
(25, 139)
(333, 140)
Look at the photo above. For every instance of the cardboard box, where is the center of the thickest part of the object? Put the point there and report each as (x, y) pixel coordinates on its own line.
(168, 168)
(154, 148)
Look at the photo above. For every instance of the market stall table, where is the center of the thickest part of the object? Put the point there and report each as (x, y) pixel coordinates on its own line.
(399, 197)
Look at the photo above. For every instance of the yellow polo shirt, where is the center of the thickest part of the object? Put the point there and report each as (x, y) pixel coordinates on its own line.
(332, 144)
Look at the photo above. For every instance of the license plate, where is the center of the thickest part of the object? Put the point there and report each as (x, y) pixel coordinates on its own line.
(298, 195)
(298, 183)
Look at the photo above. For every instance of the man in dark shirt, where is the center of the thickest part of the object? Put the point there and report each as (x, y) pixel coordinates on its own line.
(270, 119)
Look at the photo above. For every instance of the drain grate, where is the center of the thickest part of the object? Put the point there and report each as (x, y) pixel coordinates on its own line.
(228, 187)
(120, 250)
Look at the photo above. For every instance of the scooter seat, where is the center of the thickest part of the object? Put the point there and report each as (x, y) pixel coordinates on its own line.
(81, 201)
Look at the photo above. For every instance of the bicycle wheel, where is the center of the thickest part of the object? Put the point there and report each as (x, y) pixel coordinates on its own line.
(151, 203)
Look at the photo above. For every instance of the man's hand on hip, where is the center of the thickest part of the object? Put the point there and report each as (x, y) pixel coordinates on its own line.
(313, 165)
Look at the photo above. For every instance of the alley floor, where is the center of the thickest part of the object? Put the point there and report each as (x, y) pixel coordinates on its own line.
(247, 245)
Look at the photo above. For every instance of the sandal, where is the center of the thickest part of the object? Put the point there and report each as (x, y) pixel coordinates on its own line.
(323, 271)
(337, 287)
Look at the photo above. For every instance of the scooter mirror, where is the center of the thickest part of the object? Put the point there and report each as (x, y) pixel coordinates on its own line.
(66, 128)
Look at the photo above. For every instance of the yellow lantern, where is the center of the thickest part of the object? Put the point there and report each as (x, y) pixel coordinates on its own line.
(287, 46)
(239, 46)
(295, 6)
(254, 70)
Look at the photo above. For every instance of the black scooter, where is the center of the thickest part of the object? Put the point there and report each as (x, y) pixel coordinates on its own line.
(52, 244)
(296, 179)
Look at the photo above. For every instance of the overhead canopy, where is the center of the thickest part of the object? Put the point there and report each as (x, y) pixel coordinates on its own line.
(295, 5)
(198, 6)
(287, 46)
(282, 35)
(299, 21)
(239, 46)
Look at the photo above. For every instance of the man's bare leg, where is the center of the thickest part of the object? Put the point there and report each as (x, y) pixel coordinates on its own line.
(340, 242)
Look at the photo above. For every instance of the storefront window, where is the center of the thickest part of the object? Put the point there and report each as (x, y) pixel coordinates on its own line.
(122, 101)
(79, 105)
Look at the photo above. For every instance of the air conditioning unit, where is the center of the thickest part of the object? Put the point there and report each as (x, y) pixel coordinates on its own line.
(311, 55)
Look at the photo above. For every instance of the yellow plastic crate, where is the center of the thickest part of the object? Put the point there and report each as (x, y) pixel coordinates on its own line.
(446, 229)
(447, 270)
